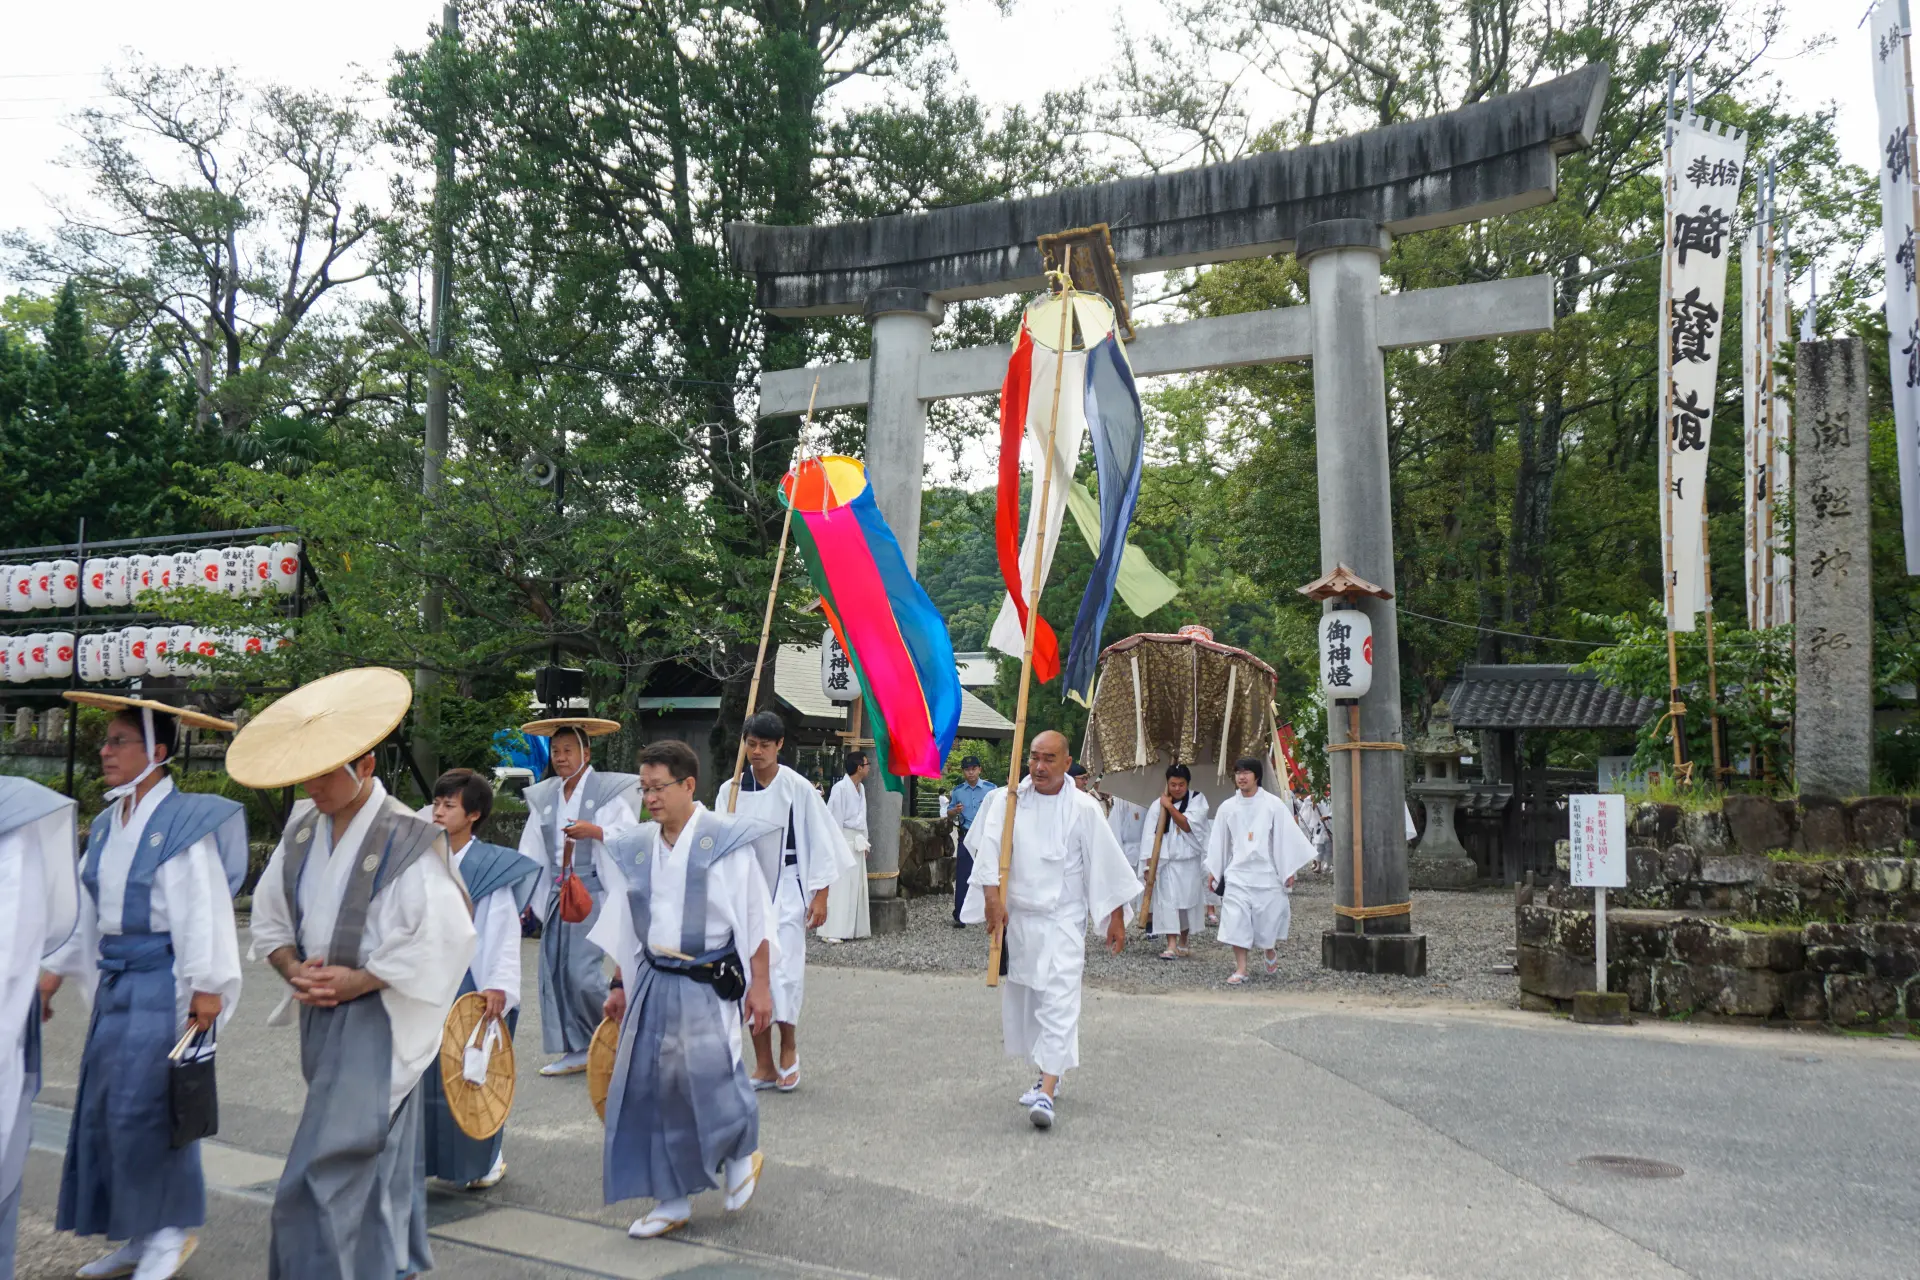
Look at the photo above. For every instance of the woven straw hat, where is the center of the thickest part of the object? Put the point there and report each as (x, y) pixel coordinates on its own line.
(592, 726)
(480, 1109)
(116, 702)
(601, 1053)
(319, 727)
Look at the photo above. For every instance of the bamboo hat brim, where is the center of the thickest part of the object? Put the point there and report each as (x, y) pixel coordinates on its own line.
(592, 726)
(117, 702)
(602, 1052)
(319, 727)
(479, 1110)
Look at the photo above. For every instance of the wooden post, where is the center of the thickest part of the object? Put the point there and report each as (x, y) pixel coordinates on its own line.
(998, 939)
(1153, 873)
(773, 595)
(1359, 884)
(1599, 938)
(1713, 677)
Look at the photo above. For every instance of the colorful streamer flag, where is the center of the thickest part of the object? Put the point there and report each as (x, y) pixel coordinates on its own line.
(1705, 162)
(898, 641)
(1899, 215)
(1143, 587)
(1098, 396)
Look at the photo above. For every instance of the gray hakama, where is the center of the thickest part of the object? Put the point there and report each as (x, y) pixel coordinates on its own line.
(679, 1105)
(122, 1177)
(450, 1153)
(573, 981)
(352, 1199)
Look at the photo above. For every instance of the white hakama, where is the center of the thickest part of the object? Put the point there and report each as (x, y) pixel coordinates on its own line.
(1067, 868)
(1180, 886)
(804, 855)
(1261, 848)
(847, 912)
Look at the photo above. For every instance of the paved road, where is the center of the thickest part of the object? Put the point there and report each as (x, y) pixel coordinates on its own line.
(1254, 1134)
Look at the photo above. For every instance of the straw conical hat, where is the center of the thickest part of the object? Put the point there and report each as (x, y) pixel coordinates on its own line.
(116, 702)
(480, 1109)
(601, 1053)
(319, 727)
(592, 726)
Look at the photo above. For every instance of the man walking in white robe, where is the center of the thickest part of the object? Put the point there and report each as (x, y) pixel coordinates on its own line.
(1257, 849)
(360, 911)
(1179, 882)
(801, 859)
(847, 912)
(1066, 868)
(39, 885)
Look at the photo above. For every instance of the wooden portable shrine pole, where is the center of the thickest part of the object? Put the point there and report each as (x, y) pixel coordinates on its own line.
(773, 595)
(1153, 874)
(997, 942)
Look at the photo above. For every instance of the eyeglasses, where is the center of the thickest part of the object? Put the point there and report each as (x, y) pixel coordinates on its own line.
(118, 742)
(663, 788)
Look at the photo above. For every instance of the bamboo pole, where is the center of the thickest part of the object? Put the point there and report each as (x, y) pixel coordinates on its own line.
(1713, 678)
(773, 596)
(998, 939)
(1359, 862)
(1677, 719)
(1153, 872)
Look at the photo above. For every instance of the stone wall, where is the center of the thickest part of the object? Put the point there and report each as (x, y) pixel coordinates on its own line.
(1803, 912)
(926, 856)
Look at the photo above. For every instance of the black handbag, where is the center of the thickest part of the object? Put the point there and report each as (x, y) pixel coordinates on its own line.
(193, 1101)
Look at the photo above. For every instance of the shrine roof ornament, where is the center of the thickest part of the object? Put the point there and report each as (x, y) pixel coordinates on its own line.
(1490, 158)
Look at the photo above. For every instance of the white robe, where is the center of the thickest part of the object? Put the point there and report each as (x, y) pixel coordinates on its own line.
(737, 904)
(496, 926)
(1260, 847)
(821, 856)
(30, 856)
(190, 901)
(1180, 886)
(419, 938)
(542, 841)
(1067, 868)
(847, 911)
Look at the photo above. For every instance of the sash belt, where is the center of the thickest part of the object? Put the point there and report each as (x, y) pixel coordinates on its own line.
(134, 953)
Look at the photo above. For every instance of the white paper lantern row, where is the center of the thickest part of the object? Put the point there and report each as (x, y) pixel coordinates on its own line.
(131, 653)
(114, 581)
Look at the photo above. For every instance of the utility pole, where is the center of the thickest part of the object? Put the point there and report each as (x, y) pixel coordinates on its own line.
(439, 347)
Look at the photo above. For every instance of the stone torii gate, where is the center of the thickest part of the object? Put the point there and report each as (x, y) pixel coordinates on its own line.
(1336, 206)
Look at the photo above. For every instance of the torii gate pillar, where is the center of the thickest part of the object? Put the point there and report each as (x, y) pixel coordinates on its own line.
(1342, 257)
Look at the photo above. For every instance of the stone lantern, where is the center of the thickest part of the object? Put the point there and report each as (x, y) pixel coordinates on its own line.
(1439, 860)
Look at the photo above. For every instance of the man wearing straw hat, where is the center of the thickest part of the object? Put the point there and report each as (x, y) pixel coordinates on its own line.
(569, 815)
(803, 857)
(686, 920)
(38, 884)
(1066, 867)
(498, 881)
(362, 915)
(156, 953)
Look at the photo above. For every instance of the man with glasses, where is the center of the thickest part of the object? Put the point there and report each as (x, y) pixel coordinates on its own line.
(156, 954)
(686, 921)
(569, 815)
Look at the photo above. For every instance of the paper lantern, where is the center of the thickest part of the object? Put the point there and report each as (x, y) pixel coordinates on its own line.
(60, 654)
(93, 666)
(259, 570)
(133, 651)
(838, 680)
(31, 656)
(117, 581)
(40, 585)
(66, 583)
(1346, 654)
(286, 567)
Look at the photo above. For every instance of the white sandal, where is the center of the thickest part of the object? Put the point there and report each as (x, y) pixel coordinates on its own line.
(655, 1223)
(789, 1079)
(737, 1196)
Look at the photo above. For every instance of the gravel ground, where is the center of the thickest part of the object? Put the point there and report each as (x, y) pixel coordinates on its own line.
(1467, 934)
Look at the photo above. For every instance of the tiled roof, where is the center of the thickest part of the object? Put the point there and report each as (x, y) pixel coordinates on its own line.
(1542, 696)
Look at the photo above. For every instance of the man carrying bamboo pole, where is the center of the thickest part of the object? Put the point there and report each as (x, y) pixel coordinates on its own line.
(1067, 867)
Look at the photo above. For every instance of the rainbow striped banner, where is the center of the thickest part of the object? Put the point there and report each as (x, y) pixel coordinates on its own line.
(898, 641)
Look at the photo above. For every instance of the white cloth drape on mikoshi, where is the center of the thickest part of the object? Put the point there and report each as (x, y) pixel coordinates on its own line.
(1899, 216)
(847, 913)
(1260, 847)
(190, 902)
(419, 937)
(1764, 318)
(820, 854)
(1704, 165)
(1067, 869)
(1095, 319)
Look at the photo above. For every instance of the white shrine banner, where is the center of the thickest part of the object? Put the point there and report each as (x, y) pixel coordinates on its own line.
(1704, 168)
(1764, 325)
(1899, 213)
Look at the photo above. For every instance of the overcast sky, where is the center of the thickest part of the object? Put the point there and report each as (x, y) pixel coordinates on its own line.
(51, 62)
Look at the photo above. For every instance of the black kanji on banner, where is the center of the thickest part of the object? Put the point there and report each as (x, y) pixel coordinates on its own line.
(1705, 232)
